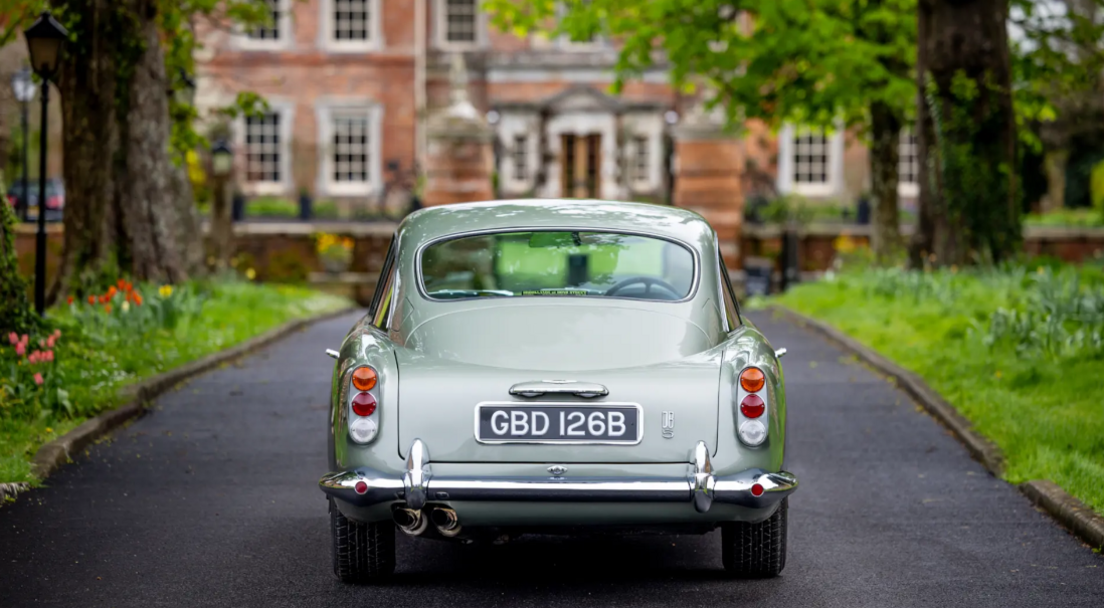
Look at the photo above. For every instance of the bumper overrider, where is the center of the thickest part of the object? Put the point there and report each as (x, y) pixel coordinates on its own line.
(365, 487)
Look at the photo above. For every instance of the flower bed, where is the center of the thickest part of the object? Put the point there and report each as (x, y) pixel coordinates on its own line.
(90, 348)
(1018, 350)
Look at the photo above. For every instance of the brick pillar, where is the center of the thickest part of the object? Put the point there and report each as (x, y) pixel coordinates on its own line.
(708, 177)
(460, 158)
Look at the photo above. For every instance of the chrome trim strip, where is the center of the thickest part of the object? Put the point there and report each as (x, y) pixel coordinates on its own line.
(603, 405)
(586, 390)
(735, 489)
(695, 280)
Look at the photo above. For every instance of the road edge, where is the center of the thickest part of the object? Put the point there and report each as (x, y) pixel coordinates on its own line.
(54, 454)
(1077, 517)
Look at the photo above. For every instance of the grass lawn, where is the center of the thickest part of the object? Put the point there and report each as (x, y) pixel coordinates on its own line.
(1019, 351)
(101, 350)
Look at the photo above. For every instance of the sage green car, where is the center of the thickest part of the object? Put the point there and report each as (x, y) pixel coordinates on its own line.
(555, 366)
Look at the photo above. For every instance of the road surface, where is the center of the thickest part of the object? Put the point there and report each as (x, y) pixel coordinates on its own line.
(210, 500)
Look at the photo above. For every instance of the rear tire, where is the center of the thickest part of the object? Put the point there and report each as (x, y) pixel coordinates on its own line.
(362, 553)
(756, 550)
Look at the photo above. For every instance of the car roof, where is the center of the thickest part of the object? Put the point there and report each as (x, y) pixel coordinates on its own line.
(597, 215)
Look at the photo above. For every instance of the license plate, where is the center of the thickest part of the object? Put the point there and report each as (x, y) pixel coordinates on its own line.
(568, 423)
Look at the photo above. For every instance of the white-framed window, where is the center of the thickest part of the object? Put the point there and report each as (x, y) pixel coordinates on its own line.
(350, 25)
(276, 34)
(264, 149)
(810, 161)
(639, 161)
(348, 148)
(908, 165)
(459, 24)
(519, 156)
(519, 160)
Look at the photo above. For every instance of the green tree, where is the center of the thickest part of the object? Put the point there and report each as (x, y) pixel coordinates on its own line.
(852, 64)
(126, 201)
(834, 64)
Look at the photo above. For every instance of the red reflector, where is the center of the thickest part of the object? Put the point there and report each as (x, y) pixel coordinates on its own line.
(362, 487)
(756, 490)
(364, 404)
(752, 406)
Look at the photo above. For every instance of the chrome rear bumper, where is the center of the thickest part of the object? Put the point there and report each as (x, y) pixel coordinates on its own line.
(365, 487)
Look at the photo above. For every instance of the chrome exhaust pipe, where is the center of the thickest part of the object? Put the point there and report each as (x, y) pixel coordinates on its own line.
(446, 520)
(410, 521)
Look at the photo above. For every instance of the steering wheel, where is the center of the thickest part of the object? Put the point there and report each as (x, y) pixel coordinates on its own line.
(647, 282)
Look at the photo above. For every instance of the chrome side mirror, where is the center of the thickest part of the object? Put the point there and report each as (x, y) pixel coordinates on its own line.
(333, 353)
(779, 353)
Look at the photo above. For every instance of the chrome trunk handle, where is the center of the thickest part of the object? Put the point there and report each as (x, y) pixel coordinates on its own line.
(586, 390)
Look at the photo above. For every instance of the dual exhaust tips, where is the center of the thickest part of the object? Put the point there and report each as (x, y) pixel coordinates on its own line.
(413, 523)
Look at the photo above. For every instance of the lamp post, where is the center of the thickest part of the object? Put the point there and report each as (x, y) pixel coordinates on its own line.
(45, 41)
(24, 88)
(222, 226)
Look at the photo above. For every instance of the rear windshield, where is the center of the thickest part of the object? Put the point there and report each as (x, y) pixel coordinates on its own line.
(557, 264)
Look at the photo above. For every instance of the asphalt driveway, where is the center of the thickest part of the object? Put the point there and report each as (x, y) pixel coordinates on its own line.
(211, 500)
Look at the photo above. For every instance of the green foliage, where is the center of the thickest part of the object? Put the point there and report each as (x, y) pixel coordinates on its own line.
(817, 62)
(15, 310)
(1016, 348)
(1096, 189)
(1067, 217)
(271, 206)
(110, 343)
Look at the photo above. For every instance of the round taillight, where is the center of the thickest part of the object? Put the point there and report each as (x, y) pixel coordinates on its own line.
(752, 379)
(752, 406)
(757, 490)
(364, 404)
(364, 378)
(362, 488)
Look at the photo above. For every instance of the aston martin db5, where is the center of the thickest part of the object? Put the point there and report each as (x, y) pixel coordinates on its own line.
(555, 367)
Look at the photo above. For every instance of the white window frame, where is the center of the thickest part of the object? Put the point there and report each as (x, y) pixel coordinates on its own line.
(907, 189)
(284, 186)
(244, 42)
(325, 111)
(440, 28)
(650, 127)
(786, 166)
(326, 38)
(510, 125)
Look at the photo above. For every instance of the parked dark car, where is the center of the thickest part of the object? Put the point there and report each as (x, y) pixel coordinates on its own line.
(55, 199)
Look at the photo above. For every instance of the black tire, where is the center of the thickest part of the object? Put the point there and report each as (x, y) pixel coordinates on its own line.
(756, 550)
(362, 553)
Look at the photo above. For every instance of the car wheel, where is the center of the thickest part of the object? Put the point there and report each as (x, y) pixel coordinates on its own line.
(756, 550)
(361, 552)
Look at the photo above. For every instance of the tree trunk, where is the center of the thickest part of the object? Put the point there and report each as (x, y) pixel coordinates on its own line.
(969, 199)
(884, 156)
(1054, 166)
(122, 203)
(150, 210)
(87, 85)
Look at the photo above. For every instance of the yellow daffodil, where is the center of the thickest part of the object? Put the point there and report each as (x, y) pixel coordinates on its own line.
(165, 291)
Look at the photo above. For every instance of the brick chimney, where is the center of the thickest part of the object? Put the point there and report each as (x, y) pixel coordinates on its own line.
(708, 175)
(460, 157)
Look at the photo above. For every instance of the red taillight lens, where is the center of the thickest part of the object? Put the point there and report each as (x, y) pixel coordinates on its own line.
(752, 379)
(53, 202)
(364, 378)
(364, 404)
(757, 490)
(752, 406)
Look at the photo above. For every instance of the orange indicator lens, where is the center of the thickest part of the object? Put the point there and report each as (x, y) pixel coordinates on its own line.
(364, 378)
(752, 379)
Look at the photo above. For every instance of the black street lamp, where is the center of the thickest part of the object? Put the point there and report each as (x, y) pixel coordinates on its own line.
(24, 88)
(45, 41)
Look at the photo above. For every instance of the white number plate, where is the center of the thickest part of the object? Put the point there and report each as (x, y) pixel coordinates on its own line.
(510, 422)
